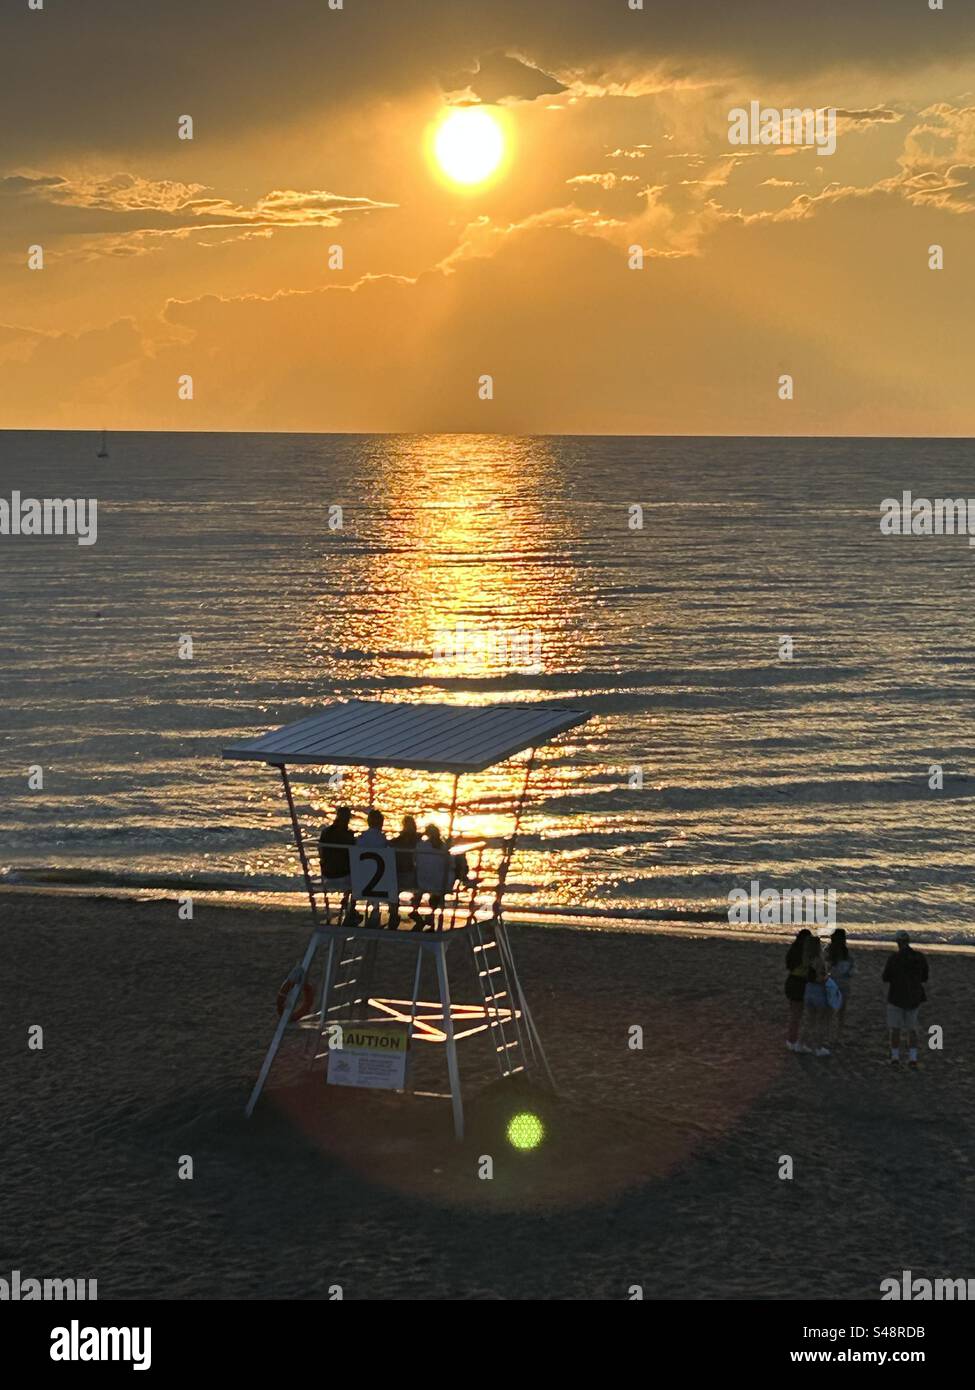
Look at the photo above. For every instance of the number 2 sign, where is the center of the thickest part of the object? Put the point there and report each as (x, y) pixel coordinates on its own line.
(373, 874)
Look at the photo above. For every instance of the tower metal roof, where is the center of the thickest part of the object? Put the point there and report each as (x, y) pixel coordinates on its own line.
(428, 738)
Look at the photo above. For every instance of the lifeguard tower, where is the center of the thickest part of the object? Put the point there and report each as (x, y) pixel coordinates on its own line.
(466, 907)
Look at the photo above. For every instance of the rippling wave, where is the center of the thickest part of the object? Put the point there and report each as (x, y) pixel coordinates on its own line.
(710, 760)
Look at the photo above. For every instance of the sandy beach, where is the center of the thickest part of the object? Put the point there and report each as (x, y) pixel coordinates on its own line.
(660, 1167)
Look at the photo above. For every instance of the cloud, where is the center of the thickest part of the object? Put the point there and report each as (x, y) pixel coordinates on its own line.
(18, 340)
(239, 66)
(124, 213)
(16, 185)
(483, 238)
(316, 102)
(503, 77)
(289, 207)
(592, 346)
(952, 193)
(944, 136)
(876, 116)
(71, 376)
(655, 79)
(605, 181)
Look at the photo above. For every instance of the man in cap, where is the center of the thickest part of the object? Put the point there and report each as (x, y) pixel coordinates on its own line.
(905, 974)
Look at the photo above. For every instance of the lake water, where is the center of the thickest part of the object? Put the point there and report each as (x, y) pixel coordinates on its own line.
(809, 772)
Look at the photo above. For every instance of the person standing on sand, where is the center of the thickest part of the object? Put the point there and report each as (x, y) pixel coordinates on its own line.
(840, 965)
(795, 988)
(815, 1016)
(905, 974)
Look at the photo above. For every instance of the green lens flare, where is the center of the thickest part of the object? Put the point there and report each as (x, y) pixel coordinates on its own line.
(525, 1131)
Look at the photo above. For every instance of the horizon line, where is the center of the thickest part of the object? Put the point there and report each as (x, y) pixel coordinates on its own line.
(480, 434)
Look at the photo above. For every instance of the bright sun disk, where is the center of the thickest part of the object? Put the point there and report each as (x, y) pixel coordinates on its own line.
(469, 144)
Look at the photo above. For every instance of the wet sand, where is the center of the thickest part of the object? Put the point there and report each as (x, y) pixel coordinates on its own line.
(660, 1167)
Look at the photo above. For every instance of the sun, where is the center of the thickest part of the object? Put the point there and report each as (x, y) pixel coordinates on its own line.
(469, 145)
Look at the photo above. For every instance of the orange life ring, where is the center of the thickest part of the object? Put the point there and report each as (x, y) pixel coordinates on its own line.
(303, 1003)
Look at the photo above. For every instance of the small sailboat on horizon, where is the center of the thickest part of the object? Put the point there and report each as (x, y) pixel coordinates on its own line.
(103, 447)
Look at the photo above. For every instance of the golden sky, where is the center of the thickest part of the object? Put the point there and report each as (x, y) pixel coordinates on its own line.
(210, 257)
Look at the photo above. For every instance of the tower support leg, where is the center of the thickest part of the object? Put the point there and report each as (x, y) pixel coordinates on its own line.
(413, 1007)
(283, 1021)
(453, 1071)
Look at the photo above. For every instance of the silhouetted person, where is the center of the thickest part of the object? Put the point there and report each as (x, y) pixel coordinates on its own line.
(905, 973)
(433, 873)
(335, 862)
(815, 1016)
(462, 870)
(373, 835)
(406, 842)
(795, 987)
(374, 838)
(840, 965)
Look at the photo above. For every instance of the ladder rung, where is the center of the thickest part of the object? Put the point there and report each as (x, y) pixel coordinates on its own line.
(488, 945)
(504, 1046)
(493, 970)
(493, 998)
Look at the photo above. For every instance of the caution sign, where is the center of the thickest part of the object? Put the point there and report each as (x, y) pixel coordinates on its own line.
(369, 1055)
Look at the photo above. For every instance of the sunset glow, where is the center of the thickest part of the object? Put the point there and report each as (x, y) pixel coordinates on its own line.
(609, 208)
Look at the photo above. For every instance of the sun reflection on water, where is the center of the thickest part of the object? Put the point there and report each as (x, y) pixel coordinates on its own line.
(461, 595)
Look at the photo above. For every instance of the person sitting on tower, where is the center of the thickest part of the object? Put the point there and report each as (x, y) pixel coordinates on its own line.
(373, 837)
(335, 861)
(433, 874)
(406, 842)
